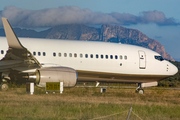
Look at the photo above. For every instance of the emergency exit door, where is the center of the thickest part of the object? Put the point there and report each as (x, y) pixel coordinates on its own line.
(142, 60)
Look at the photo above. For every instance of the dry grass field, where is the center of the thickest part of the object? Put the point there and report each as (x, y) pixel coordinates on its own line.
(89, 103)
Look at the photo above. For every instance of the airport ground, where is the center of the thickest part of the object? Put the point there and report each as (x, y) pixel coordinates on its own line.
(84, 103)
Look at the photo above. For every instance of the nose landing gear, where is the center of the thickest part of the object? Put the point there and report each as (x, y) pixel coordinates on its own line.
(139, 89)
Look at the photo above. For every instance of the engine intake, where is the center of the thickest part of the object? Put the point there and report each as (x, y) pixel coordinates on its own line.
(54, 74)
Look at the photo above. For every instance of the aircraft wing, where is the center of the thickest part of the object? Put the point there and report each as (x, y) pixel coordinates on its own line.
(17, 56)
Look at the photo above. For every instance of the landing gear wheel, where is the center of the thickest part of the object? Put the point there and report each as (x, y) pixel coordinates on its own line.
(4, 87)
(141, 91)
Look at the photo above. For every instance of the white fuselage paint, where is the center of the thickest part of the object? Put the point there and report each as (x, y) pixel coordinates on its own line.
(133, 65)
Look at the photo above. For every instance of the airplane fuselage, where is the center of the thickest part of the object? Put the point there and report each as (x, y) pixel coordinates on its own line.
(98, 61)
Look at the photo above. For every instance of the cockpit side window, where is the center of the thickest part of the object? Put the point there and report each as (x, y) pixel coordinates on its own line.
(160, 58)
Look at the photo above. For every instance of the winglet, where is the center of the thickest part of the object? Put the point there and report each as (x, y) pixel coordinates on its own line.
(12, 39)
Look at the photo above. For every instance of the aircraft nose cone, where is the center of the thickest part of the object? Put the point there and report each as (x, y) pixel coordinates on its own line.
(174, 69)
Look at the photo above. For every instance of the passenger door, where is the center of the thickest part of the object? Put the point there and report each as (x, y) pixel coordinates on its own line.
(142, 60)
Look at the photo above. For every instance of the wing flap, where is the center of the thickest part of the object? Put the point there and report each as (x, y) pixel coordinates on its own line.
(9, 64)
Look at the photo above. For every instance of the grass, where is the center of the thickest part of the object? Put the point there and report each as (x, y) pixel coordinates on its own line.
(88, 103)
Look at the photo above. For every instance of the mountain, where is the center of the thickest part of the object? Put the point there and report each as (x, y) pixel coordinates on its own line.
(74, 32)
(132, 36)
(107, 33)
(27, 33)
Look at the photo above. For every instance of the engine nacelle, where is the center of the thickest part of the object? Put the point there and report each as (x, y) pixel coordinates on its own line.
(55, 74)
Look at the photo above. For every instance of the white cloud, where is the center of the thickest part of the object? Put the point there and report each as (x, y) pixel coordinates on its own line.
(75, 15)
(156, 17)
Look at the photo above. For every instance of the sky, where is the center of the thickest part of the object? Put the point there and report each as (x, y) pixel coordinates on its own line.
(158, 19)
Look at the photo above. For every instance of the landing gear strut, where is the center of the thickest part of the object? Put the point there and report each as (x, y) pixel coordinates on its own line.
(139, 89)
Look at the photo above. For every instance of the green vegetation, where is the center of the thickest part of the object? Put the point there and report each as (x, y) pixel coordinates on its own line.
(88, 103)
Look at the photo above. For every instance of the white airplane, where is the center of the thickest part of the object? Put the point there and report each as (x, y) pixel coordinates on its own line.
(70, 61)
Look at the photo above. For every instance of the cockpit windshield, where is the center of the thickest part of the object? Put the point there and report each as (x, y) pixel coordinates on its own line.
(160, 58)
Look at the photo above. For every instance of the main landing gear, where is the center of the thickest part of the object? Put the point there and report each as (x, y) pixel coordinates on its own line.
(4, 87)
(139, 89)
(4, 79)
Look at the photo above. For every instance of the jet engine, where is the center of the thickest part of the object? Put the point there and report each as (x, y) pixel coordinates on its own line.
(54, 74)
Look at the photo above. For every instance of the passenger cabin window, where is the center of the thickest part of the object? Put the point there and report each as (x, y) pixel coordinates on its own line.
(65, 54)
(91, 55)
(81, 55)
(111, 56)
(39, 53)
(70, 54)
(86, 55)
(59, 54)
(125, 57)
(121, 57)
(75, 55)
(102, 56)
(44, 54)
(106, 56)
(34, 53)
(54, 54)
(2, 51)
(97, 56)
(142, 57)
(160, 58)
(116, 57)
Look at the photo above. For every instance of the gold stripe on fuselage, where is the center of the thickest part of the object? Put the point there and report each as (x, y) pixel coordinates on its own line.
(89, 76)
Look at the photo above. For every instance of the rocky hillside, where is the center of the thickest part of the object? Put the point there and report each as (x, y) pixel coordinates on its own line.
(107, 33)
(74, 32)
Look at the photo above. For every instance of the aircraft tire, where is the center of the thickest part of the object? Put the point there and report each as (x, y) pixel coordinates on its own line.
(4, 87)
(141, 91)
